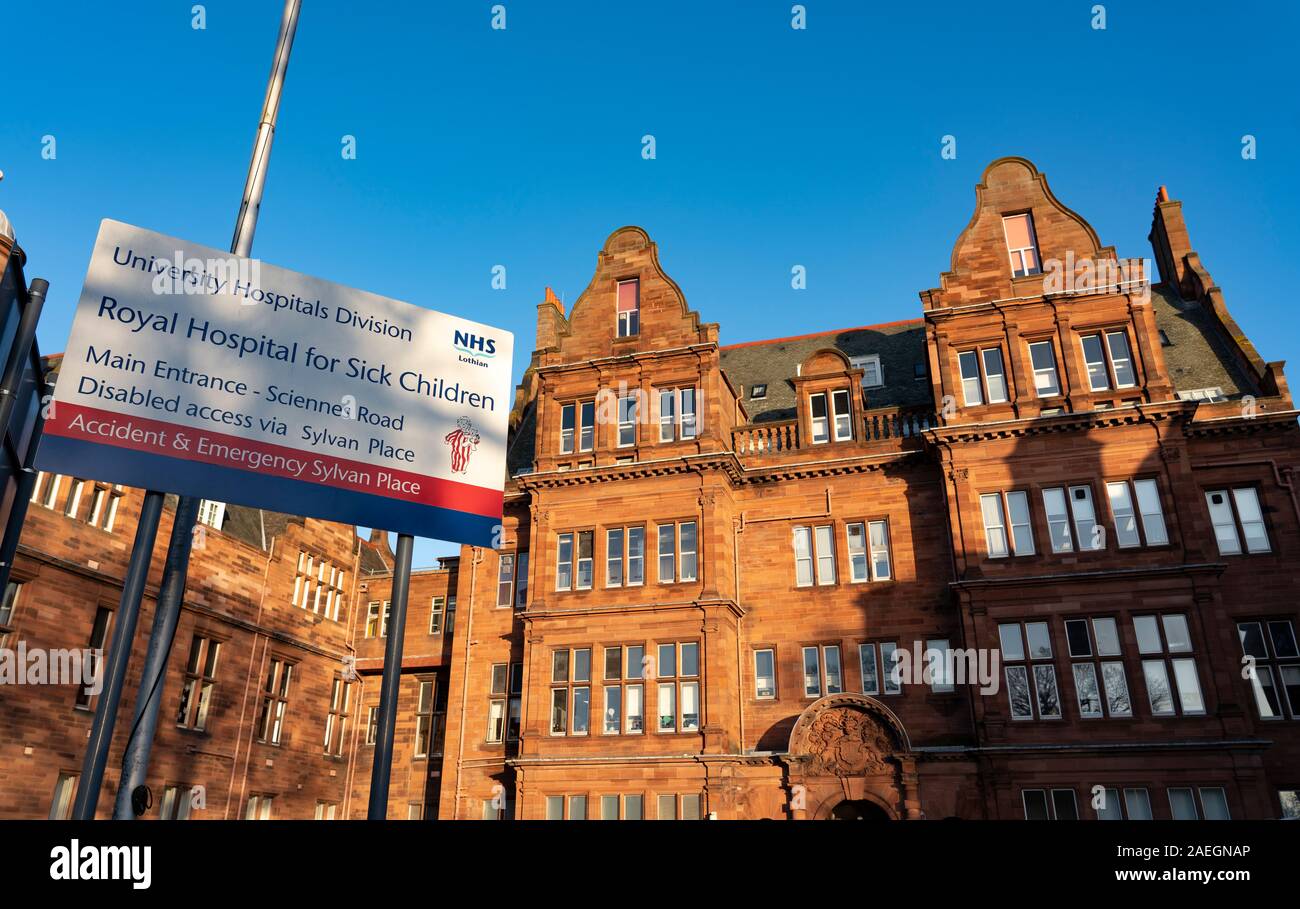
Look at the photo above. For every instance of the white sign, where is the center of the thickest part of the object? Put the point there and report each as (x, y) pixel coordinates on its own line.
(193, 371)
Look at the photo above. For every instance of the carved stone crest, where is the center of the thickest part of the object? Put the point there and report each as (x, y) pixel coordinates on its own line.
(844, 736)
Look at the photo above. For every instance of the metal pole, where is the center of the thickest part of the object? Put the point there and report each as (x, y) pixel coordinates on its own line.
(135, 760)
(10, 386)
(128, 612)
(135, 757)
(23, 496)
(387, 720)
(21, 351)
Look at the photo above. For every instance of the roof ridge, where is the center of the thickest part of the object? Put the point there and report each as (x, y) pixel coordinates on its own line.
(816, 334)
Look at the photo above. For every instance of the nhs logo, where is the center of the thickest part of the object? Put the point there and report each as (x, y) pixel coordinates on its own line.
(473, 347)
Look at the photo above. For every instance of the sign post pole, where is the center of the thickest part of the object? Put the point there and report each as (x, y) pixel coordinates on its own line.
(135, 759)
(128, 613)
(387, 720)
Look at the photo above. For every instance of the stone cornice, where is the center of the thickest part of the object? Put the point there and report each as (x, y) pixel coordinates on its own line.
(1104, 574)
(1129, 414)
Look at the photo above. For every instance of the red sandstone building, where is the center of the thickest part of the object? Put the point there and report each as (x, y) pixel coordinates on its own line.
(1067, 487)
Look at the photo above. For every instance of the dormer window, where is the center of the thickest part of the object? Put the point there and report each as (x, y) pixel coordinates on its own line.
(1022, 245)
(839, 416)
(758, 392)
(629, 307)
(872, 377)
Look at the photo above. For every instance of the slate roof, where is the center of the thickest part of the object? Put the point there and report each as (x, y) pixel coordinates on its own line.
(1197, 355)
(900, 345)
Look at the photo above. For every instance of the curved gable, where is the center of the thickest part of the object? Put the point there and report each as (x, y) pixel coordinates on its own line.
(980, 267)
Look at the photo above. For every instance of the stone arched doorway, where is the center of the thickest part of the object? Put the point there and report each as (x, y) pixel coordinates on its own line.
(858, 810)
(850, 758)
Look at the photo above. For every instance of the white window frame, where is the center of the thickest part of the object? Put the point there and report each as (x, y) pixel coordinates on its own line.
(1042, 373)
(870, 366)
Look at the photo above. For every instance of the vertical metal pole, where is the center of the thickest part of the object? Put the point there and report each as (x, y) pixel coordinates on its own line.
(23, 496)
(15, 371)
(20, 353)
(392, 679)
(135, 759)
(128, 612)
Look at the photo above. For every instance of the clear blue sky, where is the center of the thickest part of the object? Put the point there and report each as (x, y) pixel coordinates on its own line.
(775, 147)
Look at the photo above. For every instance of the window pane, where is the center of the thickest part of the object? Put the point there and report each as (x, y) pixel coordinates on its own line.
(667, 807)
(994, 529)
(1058, 522)
(560, 666)
(635, 709)
(857, 539)
(1013, 647)
(803, 568)
(867, 662)
(1121, 360)
(609, 807)
(613, 716)
(825, 555)
(1093, 356)
(1153, 518)
(1251, 636)
(1225, 528)
(555, 807)
(1189, 686)
(1018, 693)
(690, 659)
(636, 555)
(688, 544)
(577, 807)
(1066, 804)
(1076, 637)
(1022, 533)
(1041, 356)
(1252, 521)
(812, 682)
(1121, 506)
(1049, 701)
(970, 378)
(1148, 635)
(1182, 806)
(1107, 636)
(1110, 809)
(582, 665)
(667, 707)
(834, 680)
(690, 706)
(1266, 696)
(1040, 640)
(1036, 805)
(614, 558)
(1137, 804)
(667, 553)
(1291, 685)
(764, 674)
(1158, 693)
(1085, 525)
(994, 375)
(890, 669)
(631, 807)
(878, 532)
(667, 660)
(1085, 686)
(1116, 684)
(1282, 634)
(1177, 638)
(1214, 804)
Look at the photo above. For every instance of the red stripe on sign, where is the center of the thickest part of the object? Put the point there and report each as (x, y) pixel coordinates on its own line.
(159, 437)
